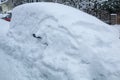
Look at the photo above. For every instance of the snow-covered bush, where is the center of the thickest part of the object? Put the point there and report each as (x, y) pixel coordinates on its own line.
(57, 42)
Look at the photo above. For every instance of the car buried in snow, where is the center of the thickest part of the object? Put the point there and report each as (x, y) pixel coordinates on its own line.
(7, 17)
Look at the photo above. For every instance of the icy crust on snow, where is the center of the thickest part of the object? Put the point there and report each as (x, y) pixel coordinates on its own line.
(57, 42)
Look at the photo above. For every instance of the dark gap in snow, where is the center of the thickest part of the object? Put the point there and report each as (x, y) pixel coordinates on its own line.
(39, 37)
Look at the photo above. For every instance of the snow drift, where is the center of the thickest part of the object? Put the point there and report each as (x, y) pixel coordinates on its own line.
(57, 42)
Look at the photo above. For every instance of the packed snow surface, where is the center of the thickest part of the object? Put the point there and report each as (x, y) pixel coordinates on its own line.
(56, 42)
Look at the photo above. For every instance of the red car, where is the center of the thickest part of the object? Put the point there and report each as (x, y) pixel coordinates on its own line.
(8, 17)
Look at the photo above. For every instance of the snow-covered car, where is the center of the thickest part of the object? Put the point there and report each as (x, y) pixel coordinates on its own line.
(56, 42)
(7, 17)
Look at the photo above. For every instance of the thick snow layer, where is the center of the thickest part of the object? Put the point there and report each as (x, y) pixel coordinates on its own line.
(57, 42)
(10, 69)
(4, 26)
(118, 28)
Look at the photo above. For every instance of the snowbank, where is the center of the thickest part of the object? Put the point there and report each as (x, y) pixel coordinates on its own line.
(10, 69)
(57, 42)
(4, 26)
(117, 27)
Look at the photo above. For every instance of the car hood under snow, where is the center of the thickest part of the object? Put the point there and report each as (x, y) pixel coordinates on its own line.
(57, 42)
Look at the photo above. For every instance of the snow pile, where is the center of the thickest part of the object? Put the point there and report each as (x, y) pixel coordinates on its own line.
(4, 26)
(10, 69)
(117, 27)
(57, 42)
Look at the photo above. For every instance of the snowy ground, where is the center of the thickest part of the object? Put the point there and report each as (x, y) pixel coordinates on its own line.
(50, 41)
(118, 28)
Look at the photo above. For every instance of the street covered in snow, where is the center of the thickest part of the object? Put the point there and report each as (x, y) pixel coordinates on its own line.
(50, 41)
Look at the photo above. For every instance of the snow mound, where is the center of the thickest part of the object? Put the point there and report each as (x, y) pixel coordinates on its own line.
(4, 26)
(57, 42)
(10, 69)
